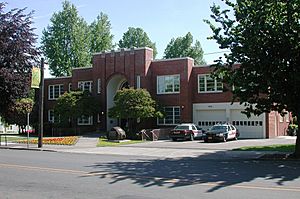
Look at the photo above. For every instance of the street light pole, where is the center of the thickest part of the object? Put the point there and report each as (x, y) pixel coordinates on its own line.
(41, 107)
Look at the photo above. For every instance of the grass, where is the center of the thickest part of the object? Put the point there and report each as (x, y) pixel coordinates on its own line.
(103, 142)
(277, 147)
(12, 138)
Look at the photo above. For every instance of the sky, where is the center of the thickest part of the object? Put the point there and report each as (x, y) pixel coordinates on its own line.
(162, 20)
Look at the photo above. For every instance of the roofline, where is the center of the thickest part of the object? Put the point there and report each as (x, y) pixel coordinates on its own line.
(66, 77)
(173, 59)
(123, 49)
(79, 68)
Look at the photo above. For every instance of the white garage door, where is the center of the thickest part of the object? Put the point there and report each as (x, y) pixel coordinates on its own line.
(207, 118)
(248, 127)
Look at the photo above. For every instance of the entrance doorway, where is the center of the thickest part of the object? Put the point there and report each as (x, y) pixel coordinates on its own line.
(116, 83)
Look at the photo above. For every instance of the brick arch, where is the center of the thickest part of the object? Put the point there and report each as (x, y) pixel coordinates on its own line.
(114, 83)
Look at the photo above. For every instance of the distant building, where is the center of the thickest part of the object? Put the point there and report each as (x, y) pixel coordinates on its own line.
(8, 129)
(187, 93)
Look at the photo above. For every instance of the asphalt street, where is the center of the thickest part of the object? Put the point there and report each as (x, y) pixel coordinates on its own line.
(41, 174)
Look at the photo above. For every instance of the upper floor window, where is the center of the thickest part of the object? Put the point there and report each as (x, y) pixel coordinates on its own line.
(172, 116)
(55, 91)
(70, 87)
(208, 84)
(168, 84)
(85, 85)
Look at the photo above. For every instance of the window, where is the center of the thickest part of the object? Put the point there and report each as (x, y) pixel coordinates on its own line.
(55, 91)
(168, 84)
(172, 116)
(51, 116)
(207, 84)
(85, 86)
(70, 87)
(99, 86)
(287, 117)
(138, 81)
(280, 118)
(85, 120)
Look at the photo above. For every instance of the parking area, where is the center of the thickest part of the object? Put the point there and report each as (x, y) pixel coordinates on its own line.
(199, 144)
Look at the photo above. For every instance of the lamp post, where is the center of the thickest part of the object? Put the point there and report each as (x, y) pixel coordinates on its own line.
(41, 107)
(27, 129)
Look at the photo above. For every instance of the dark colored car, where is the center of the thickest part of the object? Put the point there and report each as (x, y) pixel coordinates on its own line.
(186, 132)
(221, 132)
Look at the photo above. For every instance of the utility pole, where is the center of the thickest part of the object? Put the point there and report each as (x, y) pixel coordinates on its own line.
(41, 106)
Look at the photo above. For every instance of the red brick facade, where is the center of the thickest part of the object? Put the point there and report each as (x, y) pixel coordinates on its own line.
(128, 64)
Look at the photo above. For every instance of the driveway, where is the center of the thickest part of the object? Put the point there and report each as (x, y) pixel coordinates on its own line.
(200, 145)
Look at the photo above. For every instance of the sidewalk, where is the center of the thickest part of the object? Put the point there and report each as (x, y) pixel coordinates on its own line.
(149, 149)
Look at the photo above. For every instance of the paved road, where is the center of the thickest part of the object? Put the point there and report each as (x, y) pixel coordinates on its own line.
(40, 174)
(167, 149)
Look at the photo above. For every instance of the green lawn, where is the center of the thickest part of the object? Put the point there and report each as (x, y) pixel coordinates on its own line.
(12, 138)
(278, 147)
(104, 142)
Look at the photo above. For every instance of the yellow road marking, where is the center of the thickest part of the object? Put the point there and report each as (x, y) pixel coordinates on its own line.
(166, 180)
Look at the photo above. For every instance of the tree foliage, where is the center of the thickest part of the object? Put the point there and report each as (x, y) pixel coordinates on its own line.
(66, 41)
(17, 113)
(264, 37)
(17, 55)
(183, 47)
(72, 105)
(132, 104)
(101, 37)
(137, 37)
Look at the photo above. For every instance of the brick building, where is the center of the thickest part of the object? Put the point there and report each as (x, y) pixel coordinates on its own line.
(187, 93)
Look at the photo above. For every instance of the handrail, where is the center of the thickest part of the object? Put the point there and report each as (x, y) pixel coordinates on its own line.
(146, 135)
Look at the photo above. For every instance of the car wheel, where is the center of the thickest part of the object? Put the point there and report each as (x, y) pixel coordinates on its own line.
(205, 140)
(235, 138)
(191, 137)
(174, 139)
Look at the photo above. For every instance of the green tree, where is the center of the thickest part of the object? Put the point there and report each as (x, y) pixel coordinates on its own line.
(72, 105)
(137, 37)
(66, 41)
(263, 36)
(17, 55)
(131, 104)
(183, 47)
(17, 113)
(101, 37)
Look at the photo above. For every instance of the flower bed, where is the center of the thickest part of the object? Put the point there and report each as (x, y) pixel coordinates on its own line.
(70, 140)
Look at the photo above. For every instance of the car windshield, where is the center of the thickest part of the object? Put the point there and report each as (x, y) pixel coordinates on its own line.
(218, 128)
(182, 127)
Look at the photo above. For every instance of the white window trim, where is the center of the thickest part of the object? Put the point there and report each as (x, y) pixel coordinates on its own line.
(205, 84)
(83, 82)
(50, 119)
(53, 85)
(164, 124)
(70, 87)
(85, 124)
(99, 86)
(172, 92)
(138, 81)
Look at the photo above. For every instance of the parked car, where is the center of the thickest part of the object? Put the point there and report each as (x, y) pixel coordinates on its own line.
(221, 132)
(187, 132)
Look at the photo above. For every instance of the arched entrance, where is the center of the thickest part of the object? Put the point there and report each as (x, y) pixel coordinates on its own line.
(116, 83)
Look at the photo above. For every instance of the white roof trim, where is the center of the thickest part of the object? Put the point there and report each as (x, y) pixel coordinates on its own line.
(66, 77)
(124, 49)
(173, 59)
(79, 68)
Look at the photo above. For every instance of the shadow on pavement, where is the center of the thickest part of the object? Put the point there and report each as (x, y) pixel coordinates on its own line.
(181, 172)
